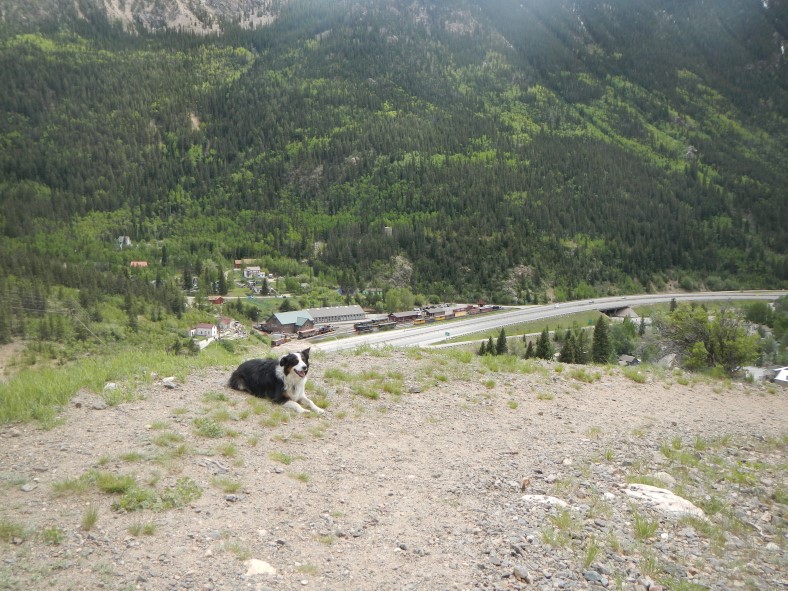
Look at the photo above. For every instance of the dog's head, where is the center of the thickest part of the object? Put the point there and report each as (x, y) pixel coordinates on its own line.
(297, 363)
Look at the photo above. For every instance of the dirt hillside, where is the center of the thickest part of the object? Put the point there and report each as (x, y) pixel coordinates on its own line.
(428, 471)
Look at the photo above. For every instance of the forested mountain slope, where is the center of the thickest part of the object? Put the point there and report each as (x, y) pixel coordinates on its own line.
(512, 147)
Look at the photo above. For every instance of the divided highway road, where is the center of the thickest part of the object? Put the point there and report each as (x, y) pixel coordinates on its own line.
(431, 334)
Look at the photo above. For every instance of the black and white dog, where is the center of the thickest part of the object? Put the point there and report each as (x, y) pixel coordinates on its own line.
(281, 381)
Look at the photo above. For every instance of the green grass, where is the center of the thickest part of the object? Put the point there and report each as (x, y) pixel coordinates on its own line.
(226, 484)
(644, 527)
(137, 498)
(208, 428)
(636, 375)
(10, 530)
(53, 536)
(70, 486)
(240, 551)
(89, 518)
(228, 450)
(166, 439)
(591, 552)
(282, 458)
(276, 417)
(137, 529)
(114, 484)
(36, 394)
(584, 375)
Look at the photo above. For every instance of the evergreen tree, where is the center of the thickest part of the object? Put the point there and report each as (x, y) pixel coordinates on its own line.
(222, 282)
(483, 348)
(501, 347)
(582, 347)
(490, 346)
(568, 351)
(642, 327)
(544, 348)
(602, 348)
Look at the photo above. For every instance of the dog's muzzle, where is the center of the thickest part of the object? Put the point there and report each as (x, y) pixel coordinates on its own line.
(300, 373)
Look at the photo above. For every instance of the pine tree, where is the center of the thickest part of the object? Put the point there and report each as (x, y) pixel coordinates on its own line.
(501, 347)
(529, 350)
(642, 327)
(544, 348)
(602, 348)
(582, 347)
(568, 351)
(222, 283)
(483, 348)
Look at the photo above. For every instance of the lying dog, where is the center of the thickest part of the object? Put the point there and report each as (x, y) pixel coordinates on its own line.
(281, 381)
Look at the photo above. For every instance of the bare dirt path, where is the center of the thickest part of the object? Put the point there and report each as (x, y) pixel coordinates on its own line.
(414, 479)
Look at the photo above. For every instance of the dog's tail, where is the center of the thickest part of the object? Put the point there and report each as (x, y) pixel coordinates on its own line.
(237, 382)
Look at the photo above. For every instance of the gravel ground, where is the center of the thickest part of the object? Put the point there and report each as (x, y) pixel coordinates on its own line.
(428, 471)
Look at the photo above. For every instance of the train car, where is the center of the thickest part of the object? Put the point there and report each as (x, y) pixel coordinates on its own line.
(306, 333)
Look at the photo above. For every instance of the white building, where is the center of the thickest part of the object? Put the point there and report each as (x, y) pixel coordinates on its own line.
(252, 272)
(204, 330)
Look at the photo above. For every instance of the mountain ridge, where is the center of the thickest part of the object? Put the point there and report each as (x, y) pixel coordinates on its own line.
(513, 149)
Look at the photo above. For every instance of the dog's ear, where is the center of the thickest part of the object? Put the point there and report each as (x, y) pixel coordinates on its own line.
(305, 354)
(283, 360)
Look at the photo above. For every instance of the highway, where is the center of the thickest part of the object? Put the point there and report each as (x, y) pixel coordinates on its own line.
(426, 335)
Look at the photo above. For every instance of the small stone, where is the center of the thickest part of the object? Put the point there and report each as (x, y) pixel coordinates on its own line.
(110, 386)
(255, 566)
(772, 547)
(521, 573)
(27, 487)
(665, 477)
(591, 575)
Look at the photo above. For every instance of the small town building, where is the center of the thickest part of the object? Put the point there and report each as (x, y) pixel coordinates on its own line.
(238, 263)
(289, 322)
(252, 272)
(204, 330)
(408, 316)
(216, 301)
(336, 314)
(138, 264)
